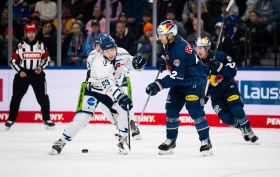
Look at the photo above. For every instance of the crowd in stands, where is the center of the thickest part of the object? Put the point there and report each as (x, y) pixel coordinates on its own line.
(131, 25)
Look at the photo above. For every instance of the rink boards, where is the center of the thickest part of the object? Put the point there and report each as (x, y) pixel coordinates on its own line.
(260, 91)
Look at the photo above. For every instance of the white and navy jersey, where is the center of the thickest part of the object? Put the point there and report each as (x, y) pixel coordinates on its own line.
(122, 64)
(29, 55)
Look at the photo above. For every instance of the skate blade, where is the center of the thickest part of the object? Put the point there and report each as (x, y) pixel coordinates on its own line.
(168, 152)
(255, 143)
(137, 137)
(7, 128)
(53, 152)
(49, 128)
(207, 152)
(125, 150)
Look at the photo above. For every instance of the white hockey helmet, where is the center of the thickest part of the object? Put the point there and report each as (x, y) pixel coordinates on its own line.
(167, 27)
(202, 41)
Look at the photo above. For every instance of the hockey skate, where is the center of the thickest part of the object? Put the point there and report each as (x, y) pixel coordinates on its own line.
(249, 136)
(123, 145)
(49, 124)
(8, 124)
(167, 147)
(57, 147)
(135, 130)
(206, 147)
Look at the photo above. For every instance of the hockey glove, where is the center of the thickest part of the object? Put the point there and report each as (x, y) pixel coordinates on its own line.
(154, 87)
(123, 101)
(139, 62)
(161, 65)
(215, 65)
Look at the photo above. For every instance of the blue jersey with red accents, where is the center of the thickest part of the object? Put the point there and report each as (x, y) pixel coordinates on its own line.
(184, 66)
(225, 76)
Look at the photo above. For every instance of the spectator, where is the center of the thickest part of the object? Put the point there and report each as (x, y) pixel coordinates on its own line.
(133, 10)
(188, 11)
(95, 27)
(241, 8)
(269, 12)
(47, 10)
(231, 29)
(115, 9)
(162, 6)
(76, 47)
(179, 6)
(192, 37)
(257, 37)
(77, 7)
(124, 37)
(20, 11)
(66, 21)
(205, 16)
(214, 8)
(171, 15)
(122, 17)
(4, 25)
(146, 18)
(145, 48)
(35, 19)
(97, 15)
(48, 35)
(87, 14)
(4, 47)
(225, 42)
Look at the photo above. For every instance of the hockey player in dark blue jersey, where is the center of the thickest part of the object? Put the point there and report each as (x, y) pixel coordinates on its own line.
(225, 96)
(186, 81)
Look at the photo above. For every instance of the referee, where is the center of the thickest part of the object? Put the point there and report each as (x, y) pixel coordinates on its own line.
(29, 59)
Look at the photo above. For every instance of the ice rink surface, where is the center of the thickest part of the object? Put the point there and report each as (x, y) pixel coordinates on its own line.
(24, 153)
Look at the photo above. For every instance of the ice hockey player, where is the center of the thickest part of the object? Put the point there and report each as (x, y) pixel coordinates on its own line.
(123, 81)
(186, 81)
(102, 87)
(225, 96)
(29, 59)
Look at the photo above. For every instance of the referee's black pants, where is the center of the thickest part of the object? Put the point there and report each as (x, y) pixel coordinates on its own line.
(20, 86)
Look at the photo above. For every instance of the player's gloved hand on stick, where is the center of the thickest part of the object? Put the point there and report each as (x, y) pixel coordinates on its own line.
(154, 88)
(139, 62)
(215, 65)
(161, 65)
(124, 100)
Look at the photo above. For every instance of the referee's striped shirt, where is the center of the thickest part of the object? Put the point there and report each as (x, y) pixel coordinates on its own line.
(29, 55)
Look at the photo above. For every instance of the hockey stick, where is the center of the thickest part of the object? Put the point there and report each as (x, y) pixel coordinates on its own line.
(218, 42)
(147, 100)
(128, 126)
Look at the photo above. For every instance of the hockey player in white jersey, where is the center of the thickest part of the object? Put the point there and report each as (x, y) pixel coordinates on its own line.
(102, 87)
(122, 80)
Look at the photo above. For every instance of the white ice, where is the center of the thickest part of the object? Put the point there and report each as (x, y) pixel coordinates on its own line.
(24, 153)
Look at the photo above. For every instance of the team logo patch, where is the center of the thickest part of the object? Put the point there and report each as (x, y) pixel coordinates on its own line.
(202, 102)
(229, 58)
(91, 101)
(39, 46)
(217, 109)
(233, 97)
(168, 99)
(192, 97)
(176, 63)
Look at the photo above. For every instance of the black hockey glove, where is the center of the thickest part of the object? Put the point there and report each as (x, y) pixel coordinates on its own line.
(123, 101)
(215, 65)
(139, 62)
(161, 65)
(154, 88)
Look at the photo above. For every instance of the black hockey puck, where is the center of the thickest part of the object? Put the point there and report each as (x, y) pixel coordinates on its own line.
(84, 151)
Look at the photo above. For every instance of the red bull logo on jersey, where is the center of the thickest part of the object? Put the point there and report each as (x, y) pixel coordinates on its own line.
(176, 63)
(31, 55)
(216, 79)
(233, 97)
(192, 97)
(229, 58)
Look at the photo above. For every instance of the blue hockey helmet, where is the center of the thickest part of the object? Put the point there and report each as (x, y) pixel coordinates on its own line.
(96, 39)
(107, 42)
(167, 27)
(202, 41)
